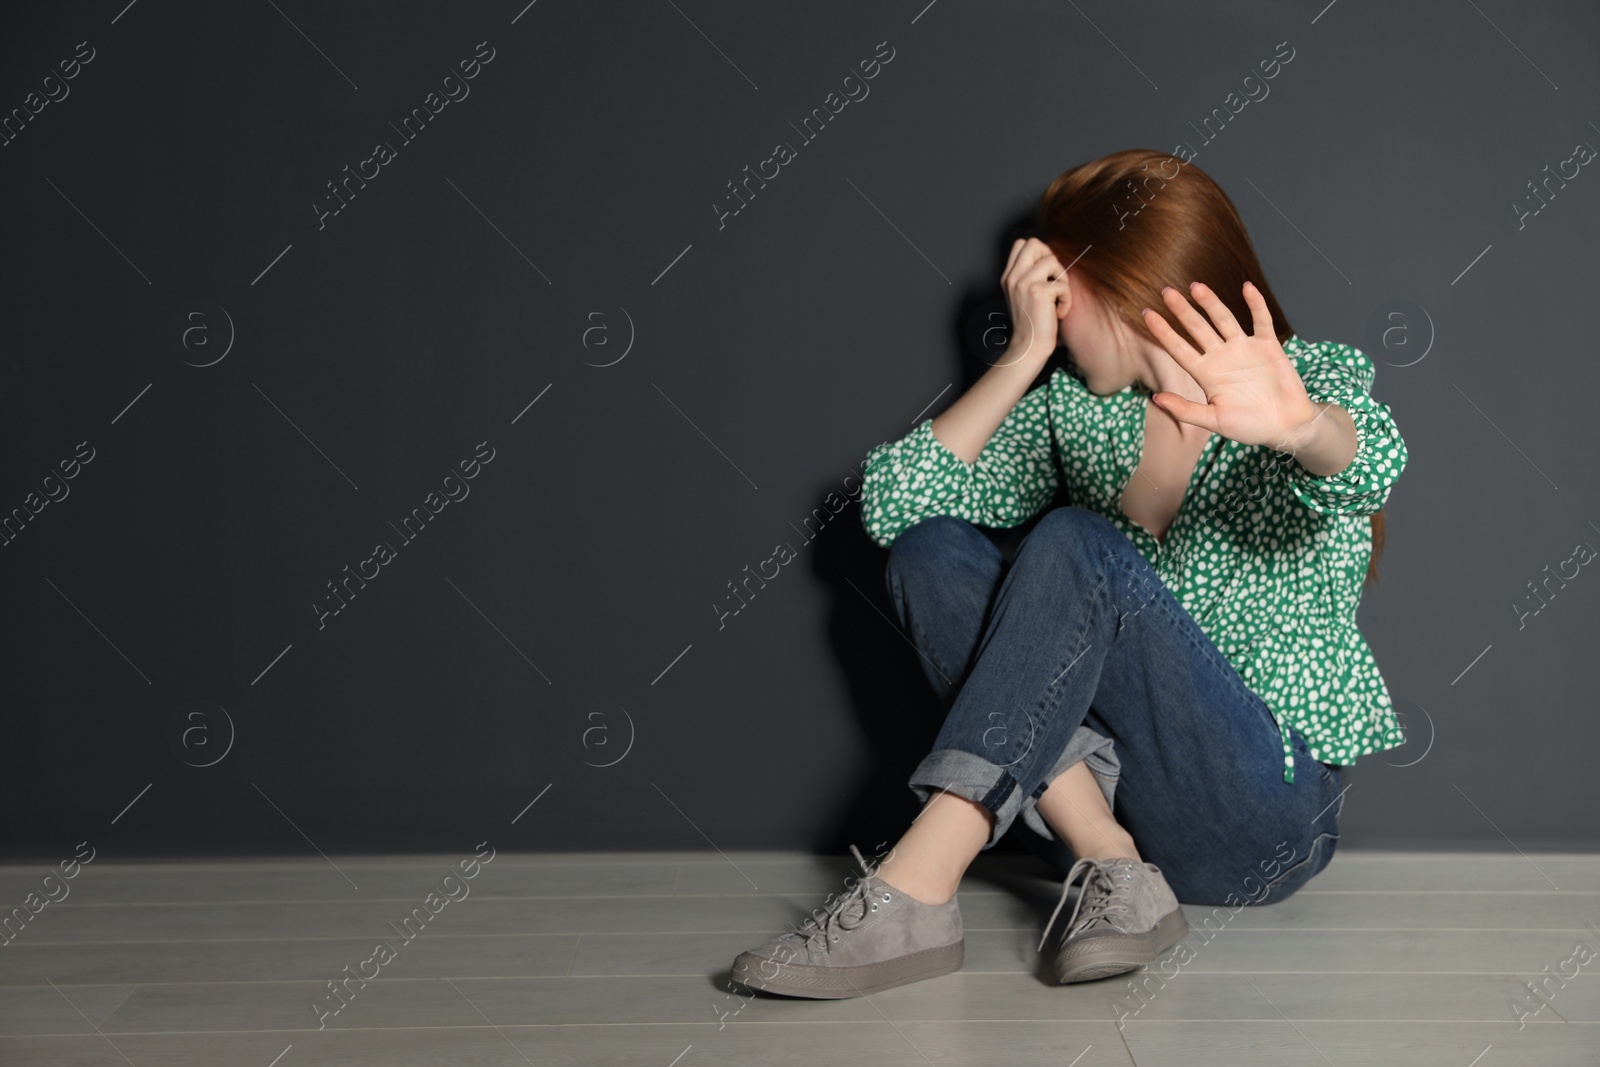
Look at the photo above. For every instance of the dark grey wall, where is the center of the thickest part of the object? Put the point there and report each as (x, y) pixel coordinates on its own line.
(541, 277)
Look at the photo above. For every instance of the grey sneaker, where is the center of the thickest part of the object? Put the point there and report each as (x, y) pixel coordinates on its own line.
(1126, 916)
(873, 937)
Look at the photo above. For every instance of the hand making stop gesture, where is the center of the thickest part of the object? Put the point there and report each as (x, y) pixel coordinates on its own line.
(1253, 393)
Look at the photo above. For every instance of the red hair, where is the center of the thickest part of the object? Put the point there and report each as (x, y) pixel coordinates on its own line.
(1155, 220)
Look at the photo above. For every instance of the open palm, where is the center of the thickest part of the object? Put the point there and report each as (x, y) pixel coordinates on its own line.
(1253, 393)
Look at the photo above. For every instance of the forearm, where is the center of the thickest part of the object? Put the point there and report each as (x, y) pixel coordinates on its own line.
(1326, 443)
(966, 426)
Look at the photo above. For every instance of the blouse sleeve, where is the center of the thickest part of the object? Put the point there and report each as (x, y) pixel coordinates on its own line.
(1343, 375)
(918, 476)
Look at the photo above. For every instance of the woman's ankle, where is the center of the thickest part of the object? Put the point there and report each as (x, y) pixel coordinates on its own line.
(1104, 843)
(927, 863)
(918, 889)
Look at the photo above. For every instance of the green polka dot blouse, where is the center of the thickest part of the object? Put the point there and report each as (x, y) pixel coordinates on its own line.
(1266, 557)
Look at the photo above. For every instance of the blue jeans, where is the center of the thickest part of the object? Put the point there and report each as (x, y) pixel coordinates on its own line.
(1076, 650)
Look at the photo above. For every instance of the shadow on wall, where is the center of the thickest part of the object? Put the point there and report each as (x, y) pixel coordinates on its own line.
(898, 712)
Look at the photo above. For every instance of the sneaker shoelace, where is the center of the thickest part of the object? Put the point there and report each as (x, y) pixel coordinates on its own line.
(843, 913)
(1106, 885)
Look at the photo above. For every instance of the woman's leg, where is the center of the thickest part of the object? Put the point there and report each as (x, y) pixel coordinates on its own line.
(1080, 614)
(900, 922)
(932, 855)
(1075, 807)
(942, 577)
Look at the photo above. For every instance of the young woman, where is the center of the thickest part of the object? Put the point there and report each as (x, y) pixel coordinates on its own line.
(1167, 677)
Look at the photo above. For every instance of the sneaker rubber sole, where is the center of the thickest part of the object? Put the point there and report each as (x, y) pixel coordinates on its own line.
(1102, 957)
(833, 983)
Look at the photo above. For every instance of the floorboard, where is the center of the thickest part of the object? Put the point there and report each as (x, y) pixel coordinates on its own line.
(579, 958)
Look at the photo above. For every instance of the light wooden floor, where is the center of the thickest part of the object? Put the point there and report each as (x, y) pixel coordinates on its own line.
(1385, 959)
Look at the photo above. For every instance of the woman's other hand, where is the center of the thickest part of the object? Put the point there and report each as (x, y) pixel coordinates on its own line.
(1039, 296)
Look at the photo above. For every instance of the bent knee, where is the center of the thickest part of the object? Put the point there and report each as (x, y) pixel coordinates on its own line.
(1276, 879)
(1070, 530)
(1297, 872)
(1073, 521)
(934, 536)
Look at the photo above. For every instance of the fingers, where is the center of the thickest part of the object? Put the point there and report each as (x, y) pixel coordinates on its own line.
(1046, 270)
(1029, 254)
(1016, 249)
(1036, 290)
(1019, 249)
(1036, 268)
(1261, 315)
(1192, 320)
(1201, 415)
(1180, 349)
(1226, 325)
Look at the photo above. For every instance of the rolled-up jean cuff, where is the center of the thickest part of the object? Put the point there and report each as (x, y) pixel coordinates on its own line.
(1101, 755)
(950, 770)
(992, 786)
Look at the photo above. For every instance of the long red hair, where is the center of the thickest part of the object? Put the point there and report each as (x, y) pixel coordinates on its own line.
(1154, 220)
